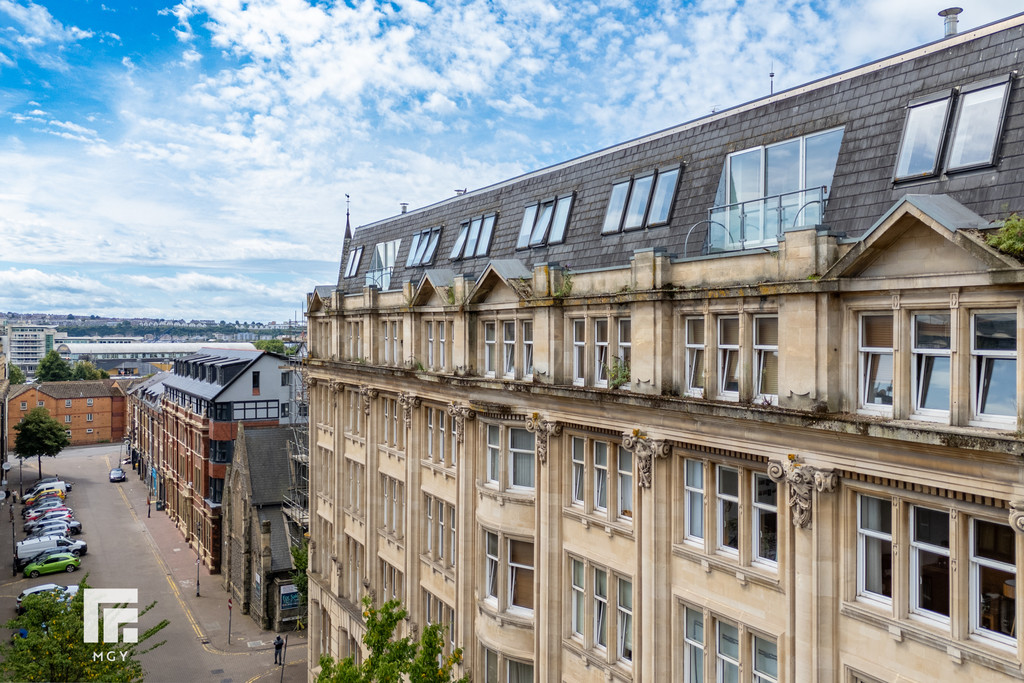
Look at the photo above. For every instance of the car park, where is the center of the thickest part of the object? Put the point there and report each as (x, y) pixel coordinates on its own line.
(42, 512)
(51, 516)
(48, 493)
(64, 526)
(26, 551)
(117, 474)
(52, 563)
(49, 483)
(47, 504)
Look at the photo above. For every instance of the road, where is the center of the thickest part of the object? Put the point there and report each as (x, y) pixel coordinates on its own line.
(127, 549)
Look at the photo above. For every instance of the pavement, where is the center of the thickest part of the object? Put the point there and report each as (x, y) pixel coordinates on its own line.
(234, 647)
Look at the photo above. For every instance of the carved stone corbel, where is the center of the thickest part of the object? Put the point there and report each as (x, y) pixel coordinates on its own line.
(803, 480)
(408, 403)
(368, 394)
(644, 451)
(1017, 515)
(544, 429)
(460, 414)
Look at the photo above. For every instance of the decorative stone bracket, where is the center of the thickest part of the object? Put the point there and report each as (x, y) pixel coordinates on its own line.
(408, 403)
(544, 429)
(368, 394)
(803, 480)
(1017, 515)
(645, 450)
(460, 414)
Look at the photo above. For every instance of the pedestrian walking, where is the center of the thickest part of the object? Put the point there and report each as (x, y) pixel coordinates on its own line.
(278, 644)
(148, 514)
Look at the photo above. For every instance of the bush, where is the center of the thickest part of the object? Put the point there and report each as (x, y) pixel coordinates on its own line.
(1009, 239)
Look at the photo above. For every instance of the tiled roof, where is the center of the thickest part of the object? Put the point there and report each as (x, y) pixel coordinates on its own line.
(83, 389)
(266, 449)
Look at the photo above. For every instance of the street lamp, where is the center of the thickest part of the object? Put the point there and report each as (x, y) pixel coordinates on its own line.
(198, 558)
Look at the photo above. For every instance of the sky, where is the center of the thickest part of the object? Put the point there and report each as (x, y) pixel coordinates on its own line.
(196, 159)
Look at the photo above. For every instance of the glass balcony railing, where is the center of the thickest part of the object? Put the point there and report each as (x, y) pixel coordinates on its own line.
(379, 278)
(762, 222)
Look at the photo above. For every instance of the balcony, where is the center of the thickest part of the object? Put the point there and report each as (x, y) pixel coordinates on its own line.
(761, 223)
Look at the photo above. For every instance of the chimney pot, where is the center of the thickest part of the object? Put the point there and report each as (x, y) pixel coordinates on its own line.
(405, 206)
(950, 16)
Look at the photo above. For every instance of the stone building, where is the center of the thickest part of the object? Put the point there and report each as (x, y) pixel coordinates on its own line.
(257, 560)
(737, 400)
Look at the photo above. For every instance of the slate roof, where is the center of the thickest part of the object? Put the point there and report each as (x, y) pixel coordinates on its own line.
(218, 357)
(280, 551)
(64, 390)
(869, 102)
(266, 449)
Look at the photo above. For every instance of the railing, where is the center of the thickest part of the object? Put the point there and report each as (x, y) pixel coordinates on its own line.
(762, 222)
(379, 278)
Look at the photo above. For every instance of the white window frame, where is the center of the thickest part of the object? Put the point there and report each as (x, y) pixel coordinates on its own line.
(624, 621)
(579, 351)
(601, 359)
(723, 498)
(493, 473)
(727, 352)
(492, 562)
(762, 352)
(527, 336)
(513, 469)
(694, 497)
(695, 353)
(723, 659)
(515, 570)
(760, 511)
(867, 357)
(577, 490)
(916, 548)
(353, 261)
(865, 533)
(600, 609)
(977, 563)
(979, 360)
(430, 344)
(600, 477)
(578, 597)
(508, 343)
(490, 348)
(442, 345)
(624, 485)
(760, 675)
(693, 644)
(923, 356)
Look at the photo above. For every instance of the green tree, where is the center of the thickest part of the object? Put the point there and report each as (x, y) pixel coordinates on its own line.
(39, 435)
(54, 647)
(300, 558)
(272, 345)
(83, 369)
(15, 374)
(390, 659)
(53, 368)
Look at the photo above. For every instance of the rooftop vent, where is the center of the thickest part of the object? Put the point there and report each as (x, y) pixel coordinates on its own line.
(404, 205)
(950, 16)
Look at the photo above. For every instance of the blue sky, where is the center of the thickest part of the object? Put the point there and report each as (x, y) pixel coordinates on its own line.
(191, 160)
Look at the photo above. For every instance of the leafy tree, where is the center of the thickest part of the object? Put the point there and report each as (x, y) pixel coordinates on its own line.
(53, 368)
(39, 435)
(272, 345)
(83, 370)
(391, 659)
(15, 375)
(54, 647)
(300, 558)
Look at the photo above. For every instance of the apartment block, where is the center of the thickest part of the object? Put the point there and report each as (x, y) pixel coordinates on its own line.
(90, 411)
(739, 400)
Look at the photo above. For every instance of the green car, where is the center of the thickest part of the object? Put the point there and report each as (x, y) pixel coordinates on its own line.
(56, 562)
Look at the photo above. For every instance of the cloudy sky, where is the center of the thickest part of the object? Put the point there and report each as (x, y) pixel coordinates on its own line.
(192, 160)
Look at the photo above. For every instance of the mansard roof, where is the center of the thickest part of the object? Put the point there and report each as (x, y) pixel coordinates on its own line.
(869, 103)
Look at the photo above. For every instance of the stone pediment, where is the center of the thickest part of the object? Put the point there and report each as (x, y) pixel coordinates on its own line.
(922, 235)
(433, 289)
(319, 298)
(504, 281)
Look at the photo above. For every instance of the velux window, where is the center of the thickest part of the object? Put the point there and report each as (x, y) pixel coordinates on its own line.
(642, 201)
(545, 222)
(475, 237)
(353, 261)
(423, 247)
(973, 135)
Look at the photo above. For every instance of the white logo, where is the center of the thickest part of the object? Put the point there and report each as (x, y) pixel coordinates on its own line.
(112, 616)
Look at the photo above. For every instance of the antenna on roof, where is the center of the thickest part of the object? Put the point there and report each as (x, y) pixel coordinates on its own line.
(771, 79)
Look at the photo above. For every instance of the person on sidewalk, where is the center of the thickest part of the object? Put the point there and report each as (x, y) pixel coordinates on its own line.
(278, 644)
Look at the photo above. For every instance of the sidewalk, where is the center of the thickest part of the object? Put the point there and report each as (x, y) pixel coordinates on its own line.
(208, 612)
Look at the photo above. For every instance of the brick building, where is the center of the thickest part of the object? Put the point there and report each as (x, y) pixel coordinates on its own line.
(737, 400)
(92, 411)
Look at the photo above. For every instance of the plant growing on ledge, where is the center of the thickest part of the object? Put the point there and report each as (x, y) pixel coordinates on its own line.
(618, 373)
(1009, 239)
(564, 289)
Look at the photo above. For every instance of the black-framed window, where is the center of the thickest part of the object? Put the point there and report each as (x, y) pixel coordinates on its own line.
(222, 411)
(961, 127)
(353, 261)
(474, 237)
(642, 201)
(423, 247)
(255, 410)
(221, 451)
(545, 222)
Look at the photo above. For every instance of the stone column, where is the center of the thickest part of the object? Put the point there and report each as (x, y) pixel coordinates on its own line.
(548, 537)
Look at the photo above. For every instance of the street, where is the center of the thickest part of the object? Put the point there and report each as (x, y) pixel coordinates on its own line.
(127, 549)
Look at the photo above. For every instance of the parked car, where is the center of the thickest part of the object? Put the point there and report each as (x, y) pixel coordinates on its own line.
(36, 513)
(64, 526)
(117, 474)
(45, 504)
(52, 563)
(26, 551)
(51, 516)
(45, 493)
(47, 481)
(63, 592)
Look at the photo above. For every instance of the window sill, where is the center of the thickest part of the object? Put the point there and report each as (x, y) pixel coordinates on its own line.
(755, 574)
(438, 469)
(489, 607)
(616, 528)
(437, 567)
(598, 658)
(522, 497)
(990, 656)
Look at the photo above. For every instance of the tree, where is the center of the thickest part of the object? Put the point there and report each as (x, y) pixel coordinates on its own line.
(53, 368)
(54, 649)
(300, 558)
(15, 374)
(83, 369)
(390, 659)
(272, 345)
(39, 435)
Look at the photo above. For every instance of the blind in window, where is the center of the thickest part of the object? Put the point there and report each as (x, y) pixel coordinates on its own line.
(876, 331)
(729, 329)
(767, 332)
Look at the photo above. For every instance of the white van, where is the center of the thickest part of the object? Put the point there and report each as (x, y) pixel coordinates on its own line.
(25, 550)
(40, 487)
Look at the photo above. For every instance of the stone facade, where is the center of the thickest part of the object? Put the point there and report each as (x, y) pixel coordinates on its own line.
(715, 447)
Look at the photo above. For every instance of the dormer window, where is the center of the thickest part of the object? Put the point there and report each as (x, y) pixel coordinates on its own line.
(475, 237)
(382, 264)
(643, 201)
(423, 247)
(545, 222)
(973, 127)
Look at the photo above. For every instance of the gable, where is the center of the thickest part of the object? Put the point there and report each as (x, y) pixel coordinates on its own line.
(918, 250)
(495, 291)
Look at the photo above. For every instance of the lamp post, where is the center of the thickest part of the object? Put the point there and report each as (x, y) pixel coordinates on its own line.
(198, 558)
